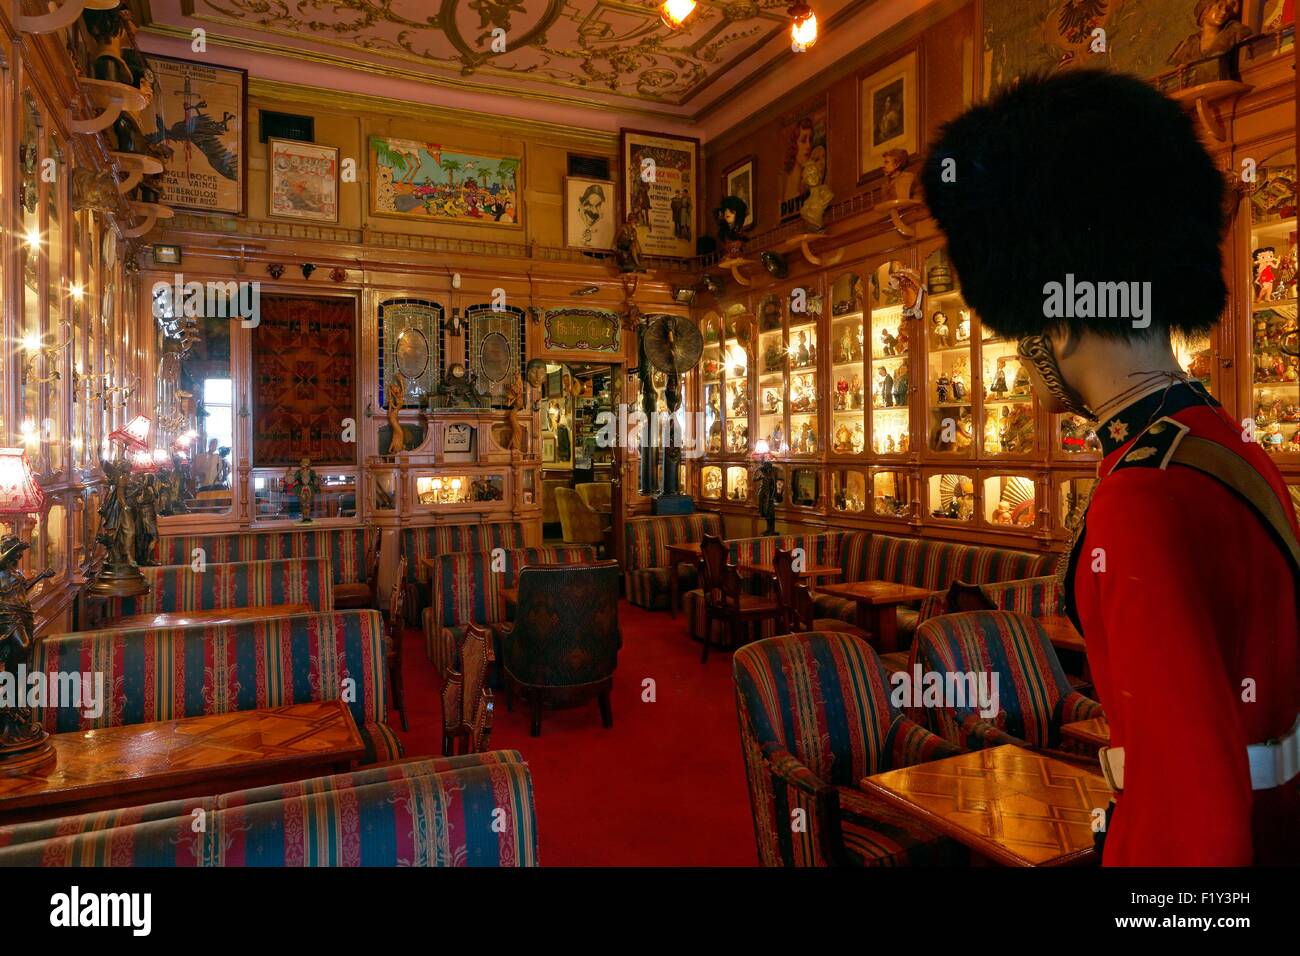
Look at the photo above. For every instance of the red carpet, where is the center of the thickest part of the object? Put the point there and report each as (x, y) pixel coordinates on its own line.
(665, 786)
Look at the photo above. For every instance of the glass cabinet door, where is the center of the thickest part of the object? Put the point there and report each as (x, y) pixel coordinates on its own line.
(711, 382)
(804, 310)
(848, 369)
(771, 359)
(948, 351)
(737, 334)
(1275, 379)
(893, 293)
(1008, 421)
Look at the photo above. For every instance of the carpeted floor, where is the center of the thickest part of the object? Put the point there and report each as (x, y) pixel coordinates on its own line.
(665, 786)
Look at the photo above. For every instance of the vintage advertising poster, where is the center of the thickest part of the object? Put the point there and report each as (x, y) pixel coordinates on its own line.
(198, 115)
(304, 180)
(590, 207)
(803, 139)
(660, 191)
(426, 181)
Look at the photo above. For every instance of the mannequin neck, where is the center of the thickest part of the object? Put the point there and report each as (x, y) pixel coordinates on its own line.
(1100, 369)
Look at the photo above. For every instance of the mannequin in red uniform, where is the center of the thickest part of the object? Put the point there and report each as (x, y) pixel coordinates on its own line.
(1186, 600)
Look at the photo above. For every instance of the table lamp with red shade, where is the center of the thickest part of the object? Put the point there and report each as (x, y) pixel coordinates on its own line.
(24, 743)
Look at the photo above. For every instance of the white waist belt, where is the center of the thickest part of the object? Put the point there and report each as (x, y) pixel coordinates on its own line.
(1272, 763)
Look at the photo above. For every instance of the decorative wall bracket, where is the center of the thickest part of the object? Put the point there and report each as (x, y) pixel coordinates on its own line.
(110, 99)
(803, 242)
(737, 267)
(152, 212)
(894, 209)
(137, 166)
(64, 16)
(1204, 97)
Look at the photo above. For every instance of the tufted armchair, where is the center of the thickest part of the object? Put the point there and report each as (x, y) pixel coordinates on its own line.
(1034, 696)
(596, 495)
(562, 647)
(815, 718)
(578, 522)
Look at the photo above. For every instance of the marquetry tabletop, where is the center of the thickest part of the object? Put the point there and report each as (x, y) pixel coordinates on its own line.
(1008, 804)
(193, 756)
(876, 593)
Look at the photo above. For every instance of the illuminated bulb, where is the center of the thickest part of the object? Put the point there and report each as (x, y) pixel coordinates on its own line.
(803, 32)
(674, 12)
(32, 342)
(33, 237)
(29, 431)
(76, 290)
(76, 444)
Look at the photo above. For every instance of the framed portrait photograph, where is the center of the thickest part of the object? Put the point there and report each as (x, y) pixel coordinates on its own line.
(889, 114)
(548, 448)
(590, 213)
(303, 181)
(198, 112)
(803, 139)
(738, 181)
(431, 183)
(661, 191)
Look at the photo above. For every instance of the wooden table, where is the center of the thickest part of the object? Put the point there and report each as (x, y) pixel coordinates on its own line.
(1061, 631)
(1089, 736)
(878, 607)
(685, 552)
(190, 757)
(810, 571)
(1008, 804)
(221, 615)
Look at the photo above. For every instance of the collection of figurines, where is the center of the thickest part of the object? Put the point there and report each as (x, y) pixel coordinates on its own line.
(849, 439)
(1277, 348)
(803, 350)
(887, 444)
(891, 388)
(803, 394)
(848, 394)
(961, 505)
(945, 332)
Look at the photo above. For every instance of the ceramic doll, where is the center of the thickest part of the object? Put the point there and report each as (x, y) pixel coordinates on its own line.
(958, 385)
(889, 444)
(885, 388)
(999, 387)
(856, 390)
(889, 343)
(1265, 260)
(939, 327)
(900, 384)
(963, 325)
(904, 442)
(941, 386)
(1002, 513)
(1272, 439)
(902, 339)
(1021, 384)
(859, 438)
(801, 355)
(842, 394)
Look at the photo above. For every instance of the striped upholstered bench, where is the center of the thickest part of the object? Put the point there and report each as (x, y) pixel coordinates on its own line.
(645, 555)
(164, 674)
(351, 551)
(431, 541)
(474, 810)
(243, 584)
(467, 590)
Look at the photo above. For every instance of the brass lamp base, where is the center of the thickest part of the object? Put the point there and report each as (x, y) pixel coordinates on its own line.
(118, 582)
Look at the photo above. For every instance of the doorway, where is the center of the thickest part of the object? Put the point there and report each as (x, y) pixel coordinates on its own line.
(580, 415)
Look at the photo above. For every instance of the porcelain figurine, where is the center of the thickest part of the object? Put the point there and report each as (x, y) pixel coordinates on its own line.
(900, 384)
(813, 210)
(939, 328)
(885, 388)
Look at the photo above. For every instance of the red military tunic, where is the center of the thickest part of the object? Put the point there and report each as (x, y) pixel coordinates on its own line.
(1195, 598)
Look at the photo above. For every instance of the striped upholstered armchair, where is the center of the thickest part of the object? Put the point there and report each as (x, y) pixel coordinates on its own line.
(815, 718)
(1034, 696)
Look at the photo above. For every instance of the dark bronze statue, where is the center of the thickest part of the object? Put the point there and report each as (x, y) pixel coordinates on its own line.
(144, 507)
(769, 493)
(19, 733)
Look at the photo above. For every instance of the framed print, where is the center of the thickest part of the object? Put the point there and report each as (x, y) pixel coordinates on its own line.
(430, 183)
(458, 437)
(660, 191)
(548, 448)
(889, 114)
(803, 138)
(738, 181)
(303, 180)
(198, 112)
(590, 213)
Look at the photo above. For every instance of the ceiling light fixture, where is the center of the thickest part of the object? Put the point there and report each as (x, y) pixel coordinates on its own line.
(803, 31)
(674, 13)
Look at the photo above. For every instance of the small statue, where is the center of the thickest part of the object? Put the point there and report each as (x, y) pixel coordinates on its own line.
(999, 387)
(1021, 384)
(768, 494)
(627, 246)
(963, 325)
(144, 500)
(958, 385)
(939, 327)
(859, 438)
(116, 519)
(802, 355)
(396, 398)
(904, 442)
(514, 402)
(813, 210)
(18, 731)
(941, 386)
(885, 388)
(900, 384)
(855, 391)
(305, 483)
(843, 439)
(1265, 260)
(890, 342)
(1002, 513)
(894, 162)
(1218, 30)
(907, 283)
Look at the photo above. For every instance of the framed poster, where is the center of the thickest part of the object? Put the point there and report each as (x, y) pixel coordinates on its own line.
(889, 114)
(738, 181)
(198, 112)
(425, 181)
(661, 191)
(803, 138)
(303, 181)
(590, 213)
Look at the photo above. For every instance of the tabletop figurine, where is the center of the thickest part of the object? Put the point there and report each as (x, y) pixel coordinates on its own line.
(396, 397)
(885, 388)
(768, 494)
(1021, 384)
(18, 731)
(855, 391)
(813, 210)
(889, 342)
(116, 519)
(958, 385)
(900, 384)
(962, 332)
(939, 327)
(305, 483)
(942, 386)
(859, 438)
(1002, 513)
(999, 387)
(144, 504)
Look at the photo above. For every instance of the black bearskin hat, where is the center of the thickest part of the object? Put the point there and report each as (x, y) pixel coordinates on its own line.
(1088, 173)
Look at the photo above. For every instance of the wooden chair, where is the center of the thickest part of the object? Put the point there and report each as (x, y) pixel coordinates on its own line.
(466, 700)
(363, 595)
(579, 524)
(724, 597)
(797, 601)
(968, 597)
(396, 606)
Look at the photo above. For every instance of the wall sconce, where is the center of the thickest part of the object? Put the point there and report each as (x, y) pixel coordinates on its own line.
(803, 31)
(675, 13)
(166, 255)
(108, 391)
(34, 349)
(307, 269)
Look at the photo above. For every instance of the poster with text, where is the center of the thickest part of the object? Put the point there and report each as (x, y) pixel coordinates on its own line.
(198, 116)
(660, 191)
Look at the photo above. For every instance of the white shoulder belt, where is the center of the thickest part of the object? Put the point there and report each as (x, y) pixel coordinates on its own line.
(1272, 763)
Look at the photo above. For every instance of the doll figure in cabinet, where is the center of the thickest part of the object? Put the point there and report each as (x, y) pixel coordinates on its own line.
(884, 388)
(900, 384)
(939, 329)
